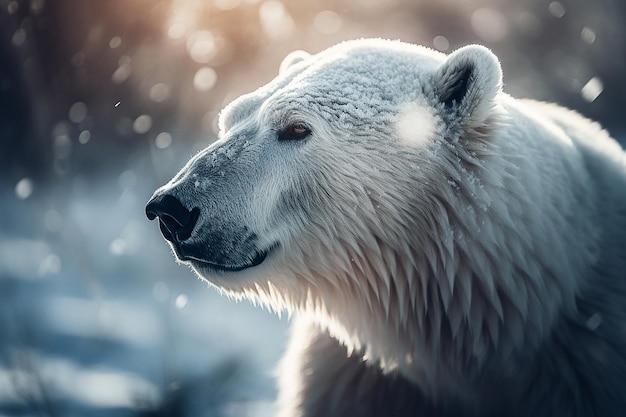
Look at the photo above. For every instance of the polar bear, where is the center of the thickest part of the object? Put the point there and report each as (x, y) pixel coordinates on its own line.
(446, 249)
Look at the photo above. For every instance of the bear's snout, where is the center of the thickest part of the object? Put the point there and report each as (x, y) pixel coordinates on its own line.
(175, 221)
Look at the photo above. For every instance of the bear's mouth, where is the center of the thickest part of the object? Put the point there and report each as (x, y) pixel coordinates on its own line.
(213, 266)
(257, 260)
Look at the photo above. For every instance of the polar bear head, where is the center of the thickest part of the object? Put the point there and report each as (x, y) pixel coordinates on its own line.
(353, 186)
(322, 160)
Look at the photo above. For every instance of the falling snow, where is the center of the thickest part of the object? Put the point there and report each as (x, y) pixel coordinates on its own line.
(592, 89)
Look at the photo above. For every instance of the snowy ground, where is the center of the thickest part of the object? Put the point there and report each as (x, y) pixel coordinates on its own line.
(97, 319)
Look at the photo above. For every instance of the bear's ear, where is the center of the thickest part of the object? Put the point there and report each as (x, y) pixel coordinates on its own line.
(293, 58)
(468, 81)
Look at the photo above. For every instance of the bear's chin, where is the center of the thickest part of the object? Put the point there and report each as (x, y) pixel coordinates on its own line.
(208, 269)
(258, 259)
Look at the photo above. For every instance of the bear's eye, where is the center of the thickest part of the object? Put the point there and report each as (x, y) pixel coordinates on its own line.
(296, 131)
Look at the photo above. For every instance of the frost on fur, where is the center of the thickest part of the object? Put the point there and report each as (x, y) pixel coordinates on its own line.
(445, 248)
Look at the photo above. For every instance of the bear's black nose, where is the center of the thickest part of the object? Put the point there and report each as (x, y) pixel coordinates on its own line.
(175, 221)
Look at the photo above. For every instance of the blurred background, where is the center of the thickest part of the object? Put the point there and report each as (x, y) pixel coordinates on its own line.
(103, 101)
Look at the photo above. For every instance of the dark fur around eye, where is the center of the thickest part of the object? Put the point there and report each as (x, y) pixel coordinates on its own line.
(295, 131)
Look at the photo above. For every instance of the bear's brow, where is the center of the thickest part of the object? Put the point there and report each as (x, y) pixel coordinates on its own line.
(237, 111)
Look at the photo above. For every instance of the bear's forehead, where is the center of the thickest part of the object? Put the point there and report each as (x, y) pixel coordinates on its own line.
(357, 72)
(357, 85)
(354, 83)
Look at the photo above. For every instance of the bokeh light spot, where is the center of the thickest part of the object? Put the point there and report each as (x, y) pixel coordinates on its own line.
(159, 92)
(489, 25)
(201, 46)
(84, 137)
(556, 9)
(276, 21)
(594, 321)
(36, 6)
(19, 36)
(204, 79)
(24, 188)
(118, 247)
(142, 124)
(327, 22)
(181, 301)
(588, 35)
(115, 42)
(77, 112)
(163, 140)
(176, 31)
(13, 7)
(441, 43)
(123, 71)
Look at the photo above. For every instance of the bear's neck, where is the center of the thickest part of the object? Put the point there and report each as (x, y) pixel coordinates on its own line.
(474, 286)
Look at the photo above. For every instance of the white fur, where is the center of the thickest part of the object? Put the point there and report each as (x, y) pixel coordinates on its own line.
(444, 245)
